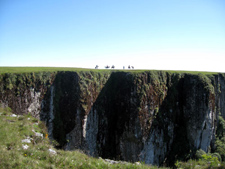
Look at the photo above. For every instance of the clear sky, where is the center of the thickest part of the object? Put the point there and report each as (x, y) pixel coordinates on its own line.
(148, 34)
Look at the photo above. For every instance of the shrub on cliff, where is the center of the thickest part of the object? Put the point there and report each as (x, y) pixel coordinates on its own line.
(220, 127)
(220, 147)
(220, 138)
(206, 161)
(199, 153)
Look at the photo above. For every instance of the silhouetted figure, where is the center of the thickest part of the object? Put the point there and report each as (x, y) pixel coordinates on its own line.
(123, 67)
(96, 67)
(113, 67)
(129, 67)
(107, 67)
(132, 67)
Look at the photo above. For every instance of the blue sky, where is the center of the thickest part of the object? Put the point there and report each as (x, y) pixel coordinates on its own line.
(148, 34)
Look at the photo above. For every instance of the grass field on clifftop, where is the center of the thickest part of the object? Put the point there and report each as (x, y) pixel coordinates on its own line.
(56, 69)
(40, 69)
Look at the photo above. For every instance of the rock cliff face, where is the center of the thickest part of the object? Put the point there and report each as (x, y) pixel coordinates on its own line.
(151, 116)
(24, 92)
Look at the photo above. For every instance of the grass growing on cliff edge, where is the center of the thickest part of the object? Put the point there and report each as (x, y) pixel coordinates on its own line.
(56, 69)
(24, 144)
(44, 69)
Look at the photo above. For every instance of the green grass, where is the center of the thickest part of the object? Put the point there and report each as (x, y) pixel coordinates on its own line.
(44, 69)
(56, 69)
(201, 164)
(14, 129)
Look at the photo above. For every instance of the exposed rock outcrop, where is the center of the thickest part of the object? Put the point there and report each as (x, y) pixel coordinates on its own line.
(151, 116)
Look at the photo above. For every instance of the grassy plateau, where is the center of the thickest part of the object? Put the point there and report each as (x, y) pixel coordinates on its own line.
(56, 69)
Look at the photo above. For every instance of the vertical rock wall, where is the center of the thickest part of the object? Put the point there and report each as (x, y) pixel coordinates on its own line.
(75, 94)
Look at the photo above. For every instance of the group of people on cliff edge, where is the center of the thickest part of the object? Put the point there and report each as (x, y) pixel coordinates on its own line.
(113, 67)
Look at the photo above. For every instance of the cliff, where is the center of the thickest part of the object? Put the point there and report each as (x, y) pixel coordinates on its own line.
(153, 116)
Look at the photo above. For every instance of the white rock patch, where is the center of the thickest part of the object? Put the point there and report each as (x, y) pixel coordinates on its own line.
(13, 115)
(25, 147)
(37, 134)
(35, 104)
(51, 151)
(27, 140)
